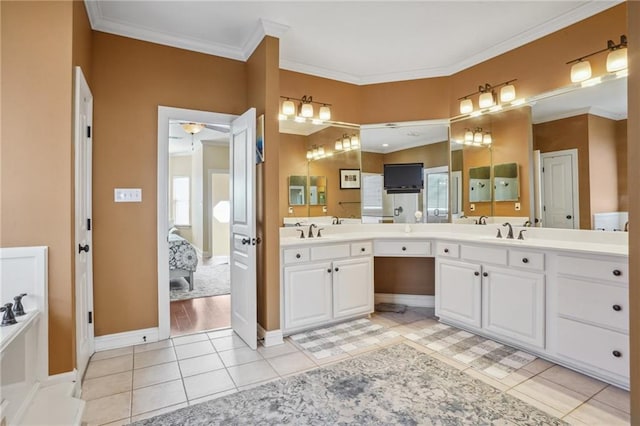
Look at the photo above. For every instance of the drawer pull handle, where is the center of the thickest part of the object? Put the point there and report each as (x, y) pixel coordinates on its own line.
(404, 249)
(298, 256)
(362, 249)
(617, 308)
(446, 250)
(485, 274)
(617, 354)
(617, 272)
(337, 269)
(525, 260)
(329, 270)
(476, 273)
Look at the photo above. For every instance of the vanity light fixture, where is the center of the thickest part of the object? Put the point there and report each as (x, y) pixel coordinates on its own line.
(477, 136)
(305, 108)
(466, 106)
(325, 113)
(486, 139)
(309, 154)
(338, 146)
(468, 135)
(355, 141)
(288, 107)
(346, 142)
(616, 60)
(487, 98)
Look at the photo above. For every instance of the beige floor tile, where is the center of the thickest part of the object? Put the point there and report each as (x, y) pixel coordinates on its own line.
(597, 413)
(154, 413)
(277, 350)
(573, 380)
(106, 385)
(573, 421)
(111, 353)
(387, 322)
(191, 350)
(452, 362)
(208, 383)
(535, 403)
(517, 377)
(551, 394)
(403, 329)
(239, 356)
(153, 346)
(220, 333)
(419, 347)
(157, 396)
(105, 367)
(107, 409)
(155, 374)
(213, 396)
(253, 372)
(486, 379)
(200, 364)
(538, 365)
(228, 342)
(191, 338)
(154, 357)
(615, 397)
(422, 324)
(291, 363)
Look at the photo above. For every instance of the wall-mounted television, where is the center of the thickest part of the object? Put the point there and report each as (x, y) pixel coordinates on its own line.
(405, 178)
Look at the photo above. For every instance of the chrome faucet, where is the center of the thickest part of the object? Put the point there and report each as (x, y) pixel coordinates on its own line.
(483, 220)
(335, 220)
(301, 232)
(313, 225)
(510, 233)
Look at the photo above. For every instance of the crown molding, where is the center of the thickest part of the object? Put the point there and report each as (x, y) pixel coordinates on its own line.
(344, 77)
(264, 28)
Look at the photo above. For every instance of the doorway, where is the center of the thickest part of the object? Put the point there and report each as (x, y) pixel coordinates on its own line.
(436, 194)
(560, 207)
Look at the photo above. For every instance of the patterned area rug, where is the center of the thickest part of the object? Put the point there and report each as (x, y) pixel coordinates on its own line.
(491, 357)
(209, 280)
(394, 385)
(341, 338)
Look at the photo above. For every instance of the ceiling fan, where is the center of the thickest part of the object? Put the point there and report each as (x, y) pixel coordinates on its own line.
(192, 128)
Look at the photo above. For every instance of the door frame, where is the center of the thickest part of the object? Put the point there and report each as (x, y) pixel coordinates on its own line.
(164, 115)
(82, 92)
(574, 176)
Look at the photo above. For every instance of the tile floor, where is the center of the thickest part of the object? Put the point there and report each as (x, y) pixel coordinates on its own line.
(133, 383)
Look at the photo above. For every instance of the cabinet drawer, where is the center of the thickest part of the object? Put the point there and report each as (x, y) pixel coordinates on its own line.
(600, 304)
(296, 255)
(595, 346)
(364, 248)
(526, 259)
(448, 250)
(330, 252)
(593, 268)
(403, 248)
(484, 254)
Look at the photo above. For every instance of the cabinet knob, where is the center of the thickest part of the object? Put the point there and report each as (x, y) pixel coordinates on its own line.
(617, 308)
(446, 250)
(525, 260)
(485, 274)
(329, 270)
(362, 249)
(404, 249)
(617, 272)
(617, 354)
(476, 273)
(337, 269)
(298, 256)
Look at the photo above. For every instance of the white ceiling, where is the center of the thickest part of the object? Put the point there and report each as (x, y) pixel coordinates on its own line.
(359, 42)
(398, 136)
(182, 143)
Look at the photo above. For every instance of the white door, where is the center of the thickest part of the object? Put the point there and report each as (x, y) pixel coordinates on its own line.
(83, 244)
(352, 287)
(559, 205)
(436, 195)
(458, 291)
(244, 318)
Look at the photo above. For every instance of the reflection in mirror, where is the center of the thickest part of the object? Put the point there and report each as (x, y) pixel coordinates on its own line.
(297, 190)
(480, 184)
(505, 182)
(580, 141)
(424, 142)
(317, 190)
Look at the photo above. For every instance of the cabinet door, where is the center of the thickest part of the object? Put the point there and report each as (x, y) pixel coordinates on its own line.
(513, 305)
(352, 287)
(307, 294)
(458, 290)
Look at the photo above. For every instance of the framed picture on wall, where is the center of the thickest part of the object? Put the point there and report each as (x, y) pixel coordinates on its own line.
(349, 178)
(260, 139)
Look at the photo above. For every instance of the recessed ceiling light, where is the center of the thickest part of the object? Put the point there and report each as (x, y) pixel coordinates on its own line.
(384, 145)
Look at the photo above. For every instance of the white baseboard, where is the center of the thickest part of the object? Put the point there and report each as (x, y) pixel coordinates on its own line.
(68, 377)
(416, 300)
(128, 338)
(271, 338)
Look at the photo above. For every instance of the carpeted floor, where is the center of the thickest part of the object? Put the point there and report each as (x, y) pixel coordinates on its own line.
(393, 385)
(210, 279)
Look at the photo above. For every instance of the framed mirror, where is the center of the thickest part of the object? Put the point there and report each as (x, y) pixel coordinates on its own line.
(297, 190)
(506, 186)
(480, 184)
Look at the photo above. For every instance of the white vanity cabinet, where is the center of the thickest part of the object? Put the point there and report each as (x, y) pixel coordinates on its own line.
(458, 291)
(326, 283)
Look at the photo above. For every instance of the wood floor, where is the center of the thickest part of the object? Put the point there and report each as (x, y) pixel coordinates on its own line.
(203, 313)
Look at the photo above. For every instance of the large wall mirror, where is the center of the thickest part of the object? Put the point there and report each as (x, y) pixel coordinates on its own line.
(312, 158)
(425, 142)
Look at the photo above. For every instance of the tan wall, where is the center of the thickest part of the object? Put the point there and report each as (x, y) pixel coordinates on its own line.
(621, 165)
(372, 162)
(410, 275)
(432, 155)
(603, 173)
(213, 157)
(220, 231)
(340, 202)
(130, 79)
(36, 160)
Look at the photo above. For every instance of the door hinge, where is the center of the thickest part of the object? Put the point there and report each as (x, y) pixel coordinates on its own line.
(88, 224)
(88, 131)
(543, 170)
(544, 208)
(90, 317)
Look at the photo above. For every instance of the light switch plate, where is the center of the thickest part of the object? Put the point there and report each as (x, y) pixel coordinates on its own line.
(290, 210)
(517, 206)
(127, 195)
(472, 207)
(324, 209)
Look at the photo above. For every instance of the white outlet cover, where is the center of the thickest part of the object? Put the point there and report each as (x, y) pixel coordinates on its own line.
(127, 195)
(517, 206)
(472, 207)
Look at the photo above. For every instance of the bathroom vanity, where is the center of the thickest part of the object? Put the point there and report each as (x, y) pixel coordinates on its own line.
(559, 294)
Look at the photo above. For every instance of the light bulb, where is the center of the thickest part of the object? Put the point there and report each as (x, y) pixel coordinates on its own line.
(477, 137)
(355, 142)
(288, 107)
(321, 151)
(309, 155)
(346, 142)
(468, 136)
(508, 93)
(617, 60)
(486, 139)
(306, 110)
(580, 71)
(486, 100)
(466, 106)
(338, 146)
(325, 113)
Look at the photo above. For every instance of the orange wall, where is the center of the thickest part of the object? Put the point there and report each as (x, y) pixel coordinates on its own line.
(293, 158)
(621, 160)
(603, 173)
(130, 79)
(36, 152)
(432, 155)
